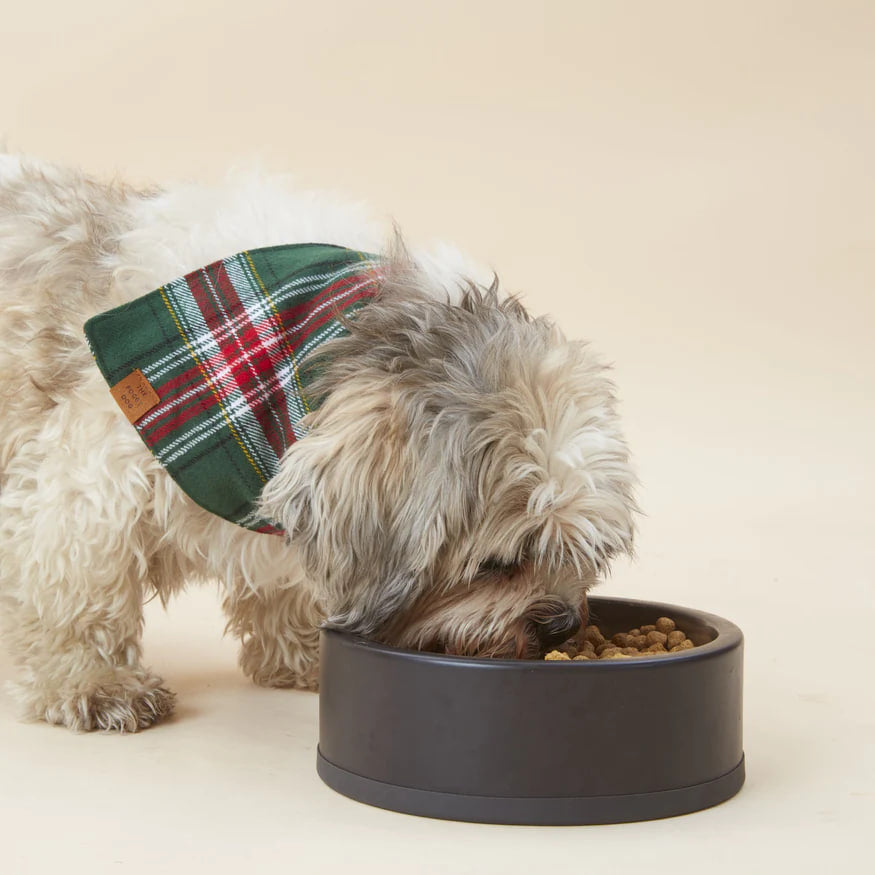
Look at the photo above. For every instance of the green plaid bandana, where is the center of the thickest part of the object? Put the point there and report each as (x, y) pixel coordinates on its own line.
(211, 368)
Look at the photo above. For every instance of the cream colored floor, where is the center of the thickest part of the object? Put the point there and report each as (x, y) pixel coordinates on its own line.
(690, 185)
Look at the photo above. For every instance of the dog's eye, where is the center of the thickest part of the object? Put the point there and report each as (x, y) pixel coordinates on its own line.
(494, 565)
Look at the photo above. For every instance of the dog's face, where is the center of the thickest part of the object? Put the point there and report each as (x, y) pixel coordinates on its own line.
(464, 482)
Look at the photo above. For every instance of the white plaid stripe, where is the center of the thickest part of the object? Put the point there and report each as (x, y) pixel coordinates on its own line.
(225, 372)
(244, 293)
(191, 319)
(216, 423)
(178, 288)
(284, 378)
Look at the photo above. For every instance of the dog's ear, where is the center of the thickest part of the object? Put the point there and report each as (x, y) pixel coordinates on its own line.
(583, 491)
(347, 495)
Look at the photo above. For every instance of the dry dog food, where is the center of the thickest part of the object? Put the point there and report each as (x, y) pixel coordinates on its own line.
(660, 638)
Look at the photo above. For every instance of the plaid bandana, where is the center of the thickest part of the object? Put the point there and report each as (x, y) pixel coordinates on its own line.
(210, 368)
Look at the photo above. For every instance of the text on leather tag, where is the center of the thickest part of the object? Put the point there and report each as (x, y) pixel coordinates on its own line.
(135, 395)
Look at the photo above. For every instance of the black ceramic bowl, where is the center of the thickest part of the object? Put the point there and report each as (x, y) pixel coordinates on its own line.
(514, 741)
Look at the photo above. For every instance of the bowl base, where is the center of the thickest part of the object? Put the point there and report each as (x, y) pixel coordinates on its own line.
(532, 811)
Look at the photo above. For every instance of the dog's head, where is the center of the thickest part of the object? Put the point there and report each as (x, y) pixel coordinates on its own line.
(464, 482)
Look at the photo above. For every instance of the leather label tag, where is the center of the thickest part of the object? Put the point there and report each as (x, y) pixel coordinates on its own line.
(135, 395)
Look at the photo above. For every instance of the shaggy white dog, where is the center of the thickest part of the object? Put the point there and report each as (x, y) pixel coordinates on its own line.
(460, 488)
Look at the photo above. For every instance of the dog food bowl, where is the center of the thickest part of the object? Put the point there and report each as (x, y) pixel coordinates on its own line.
(526, 742)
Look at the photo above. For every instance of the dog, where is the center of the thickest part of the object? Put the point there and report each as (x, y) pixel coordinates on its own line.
(459, 488)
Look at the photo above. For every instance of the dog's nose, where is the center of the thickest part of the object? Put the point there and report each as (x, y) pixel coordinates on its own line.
(558, 629)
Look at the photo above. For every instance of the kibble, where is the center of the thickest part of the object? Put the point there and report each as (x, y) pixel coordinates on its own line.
(654, 639)
(674, 638)
(638, 641)
(594, 635)
(570, 648)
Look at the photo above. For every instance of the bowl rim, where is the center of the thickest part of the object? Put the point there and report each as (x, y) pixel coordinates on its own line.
(729, 636)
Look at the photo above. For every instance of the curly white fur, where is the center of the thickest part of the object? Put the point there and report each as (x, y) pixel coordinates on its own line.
(455, 504)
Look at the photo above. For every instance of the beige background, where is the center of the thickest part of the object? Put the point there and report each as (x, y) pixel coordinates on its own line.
(691, 186)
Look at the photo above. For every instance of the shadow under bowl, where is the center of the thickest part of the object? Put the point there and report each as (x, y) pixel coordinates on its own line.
(531, 742)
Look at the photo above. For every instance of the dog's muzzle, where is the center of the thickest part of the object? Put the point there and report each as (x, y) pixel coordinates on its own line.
(554, 630)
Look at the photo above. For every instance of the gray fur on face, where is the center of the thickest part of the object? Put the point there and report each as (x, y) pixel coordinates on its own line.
(464, 474)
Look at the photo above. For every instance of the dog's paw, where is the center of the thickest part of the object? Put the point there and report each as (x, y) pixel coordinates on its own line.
(270, 668)
(288, 680)
(113, 707)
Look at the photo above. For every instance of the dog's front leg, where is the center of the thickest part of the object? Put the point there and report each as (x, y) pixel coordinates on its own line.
(72, 575)
(279, 631)
(84, 671)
